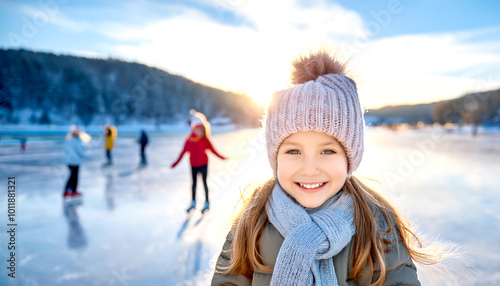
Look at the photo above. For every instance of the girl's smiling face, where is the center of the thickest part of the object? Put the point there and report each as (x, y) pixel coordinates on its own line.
(312, 167)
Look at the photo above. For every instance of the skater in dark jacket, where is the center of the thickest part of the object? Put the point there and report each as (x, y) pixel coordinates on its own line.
(196, 144)
(143, 141)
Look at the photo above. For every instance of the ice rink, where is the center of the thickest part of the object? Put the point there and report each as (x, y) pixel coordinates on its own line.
(131, 228)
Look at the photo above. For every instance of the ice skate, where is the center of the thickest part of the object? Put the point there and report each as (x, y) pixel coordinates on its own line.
(206, 207)
(76, 194)
(70, 197)
(193, 205)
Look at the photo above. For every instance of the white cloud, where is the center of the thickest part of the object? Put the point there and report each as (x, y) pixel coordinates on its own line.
(43, 13)
(87, 53)
(251, 58)
(254, 57)
(426, 68)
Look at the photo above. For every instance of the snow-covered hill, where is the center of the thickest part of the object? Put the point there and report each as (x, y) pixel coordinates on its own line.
(44, 88)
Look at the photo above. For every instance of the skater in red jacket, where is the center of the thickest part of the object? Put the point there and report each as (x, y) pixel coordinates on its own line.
(196, 144)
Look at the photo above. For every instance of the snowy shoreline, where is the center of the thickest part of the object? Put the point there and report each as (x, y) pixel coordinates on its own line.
(38, 130)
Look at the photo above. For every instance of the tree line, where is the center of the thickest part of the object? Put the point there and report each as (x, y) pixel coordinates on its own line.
(481, 108)
(73, 88)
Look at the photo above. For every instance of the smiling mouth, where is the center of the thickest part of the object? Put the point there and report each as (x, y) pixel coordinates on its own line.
(310, 186)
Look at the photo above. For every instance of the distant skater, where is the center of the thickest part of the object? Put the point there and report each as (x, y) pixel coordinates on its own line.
(24, 143)
(196, 144)
(143, 141)
(74, 154)
(110, 133)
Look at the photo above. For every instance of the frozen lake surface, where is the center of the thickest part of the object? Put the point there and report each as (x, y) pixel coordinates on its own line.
(131, 227)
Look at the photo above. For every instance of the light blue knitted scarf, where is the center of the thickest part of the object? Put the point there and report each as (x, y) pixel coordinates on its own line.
(312, 237)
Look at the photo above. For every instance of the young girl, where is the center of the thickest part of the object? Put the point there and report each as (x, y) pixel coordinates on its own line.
(314, 223)
(196, 144)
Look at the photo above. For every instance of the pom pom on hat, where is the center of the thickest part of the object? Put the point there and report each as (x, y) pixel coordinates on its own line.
(310, 67)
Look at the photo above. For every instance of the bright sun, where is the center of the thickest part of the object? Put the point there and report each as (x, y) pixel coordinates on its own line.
(263, 92)
(262, 99)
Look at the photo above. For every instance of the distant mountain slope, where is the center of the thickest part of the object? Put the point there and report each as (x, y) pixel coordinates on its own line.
(401, 113)
(64, 89)
(472, 108)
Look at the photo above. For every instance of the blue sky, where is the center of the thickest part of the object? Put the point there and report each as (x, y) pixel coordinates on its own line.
(400, 51)
(432, 16)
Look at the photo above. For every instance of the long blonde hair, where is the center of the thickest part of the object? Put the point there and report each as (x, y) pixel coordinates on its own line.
(369, 245)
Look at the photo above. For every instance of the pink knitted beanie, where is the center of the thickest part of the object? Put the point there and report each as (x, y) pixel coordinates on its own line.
(322, 99)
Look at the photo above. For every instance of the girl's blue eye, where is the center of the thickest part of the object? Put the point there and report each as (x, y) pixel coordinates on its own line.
(329, 152)
(292, 152)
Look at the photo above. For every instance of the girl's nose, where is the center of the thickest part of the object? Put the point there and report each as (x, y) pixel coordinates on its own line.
(309, 167)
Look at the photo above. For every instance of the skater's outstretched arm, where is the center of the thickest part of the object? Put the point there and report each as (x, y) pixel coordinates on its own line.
(184, 150)
(213, 150)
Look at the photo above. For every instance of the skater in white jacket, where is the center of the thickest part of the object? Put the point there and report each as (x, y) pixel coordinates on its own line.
(74, 154)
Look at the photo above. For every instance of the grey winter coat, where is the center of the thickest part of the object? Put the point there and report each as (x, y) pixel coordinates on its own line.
(401, 270)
